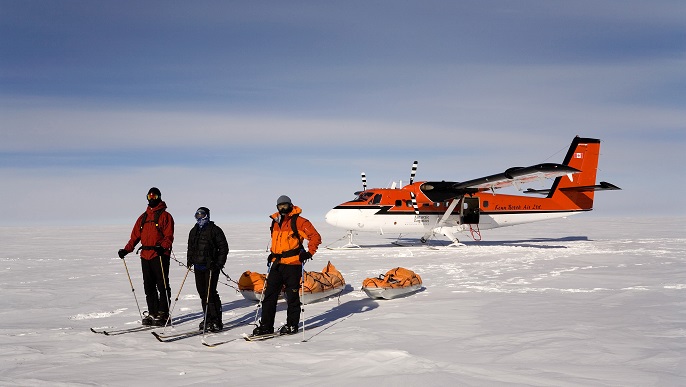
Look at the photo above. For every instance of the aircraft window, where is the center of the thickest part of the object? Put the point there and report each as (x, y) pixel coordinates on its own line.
(398, 203)
(408, 203)
(377, 199)
(485, 203)
(437, 204)
(363, 197)
(426, 204)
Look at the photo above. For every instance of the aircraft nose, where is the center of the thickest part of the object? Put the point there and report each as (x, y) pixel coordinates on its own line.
(332, 217)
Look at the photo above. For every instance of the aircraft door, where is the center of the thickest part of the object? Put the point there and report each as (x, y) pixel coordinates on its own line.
(469, 211)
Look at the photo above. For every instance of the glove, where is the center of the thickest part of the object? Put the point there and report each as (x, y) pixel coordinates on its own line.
(305, 256)
(122, 253)
(213, 265)
(159, 250)
(269, 260)
(189, 262)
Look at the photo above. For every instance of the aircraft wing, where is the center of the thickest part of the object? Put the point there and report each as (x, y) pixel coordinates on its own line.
(441, 191)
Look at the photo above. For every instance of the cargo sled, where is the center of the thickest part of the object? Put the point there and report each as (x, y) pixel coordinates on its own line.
(251, 285)
(395, 283)
(316, 285)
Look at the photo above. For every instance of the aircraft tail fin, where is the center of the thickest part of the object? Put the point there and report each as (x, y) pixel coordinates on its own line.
(577, 191)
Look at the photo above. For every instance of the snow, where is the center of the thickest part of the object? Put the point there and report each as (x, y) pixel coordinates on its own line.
(572, 302)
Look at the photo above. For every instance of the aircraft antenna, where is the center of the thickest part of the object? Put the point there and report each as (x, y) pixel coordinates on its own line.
(414, 172)
(364, 181)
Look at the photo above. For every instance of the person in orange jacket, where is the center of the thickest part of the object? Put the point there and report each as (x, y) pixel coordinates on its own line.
(155, 230)
(286, 264)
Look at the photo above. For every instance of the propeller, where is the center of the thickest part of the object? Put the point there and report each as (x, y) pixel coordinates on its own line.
(414, 203)
(414, 171)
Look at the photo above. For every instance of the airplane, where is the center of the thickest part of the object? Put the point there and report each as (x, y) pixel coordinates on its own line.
(446, 208)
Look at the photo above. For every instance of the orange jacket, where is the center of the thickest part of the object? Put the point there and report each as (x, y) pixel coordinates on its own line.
(150, 236)
(284, 244)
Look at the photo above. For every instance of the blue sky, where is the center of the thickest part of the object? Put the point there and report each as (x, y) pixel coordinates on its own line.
(230, 104)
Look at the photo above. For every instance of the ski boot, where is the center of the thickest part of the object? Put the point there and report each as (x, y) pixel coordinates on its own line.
(262, 330)
(161, 319)
(148, 319)
(288, 330)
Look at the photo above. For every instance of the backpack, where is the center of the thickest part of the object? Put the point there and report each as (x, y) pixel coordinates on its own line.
(144, 219)
(294, 226)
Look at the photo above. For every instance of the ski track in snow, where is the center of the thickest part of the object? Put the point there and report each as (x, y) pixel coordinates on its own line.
(529, 305)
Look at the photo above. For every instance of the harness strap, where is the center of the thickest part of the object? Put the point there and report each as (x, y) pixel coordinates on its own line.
(294, 228)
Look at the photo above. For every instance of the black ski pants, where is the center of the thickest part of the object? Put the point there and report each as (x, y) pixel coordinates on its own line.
(203, 283)
(155, 277)
(280, 275)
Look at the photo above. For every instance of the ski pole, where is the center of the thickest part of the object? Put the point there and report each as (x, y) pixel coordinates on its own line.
(166, 295)
(132, 289)
(302, 296)
(177, 295)
(207, 303)
(264, 290)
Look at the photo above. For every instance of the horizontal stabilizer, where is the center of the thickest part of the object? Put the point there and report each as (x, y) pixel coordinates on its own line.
(603, 186)
(537, 191)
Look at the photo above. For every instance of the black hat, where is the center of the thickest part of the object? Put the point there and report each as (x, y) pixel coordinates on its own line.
(155, 190)
(205, 209)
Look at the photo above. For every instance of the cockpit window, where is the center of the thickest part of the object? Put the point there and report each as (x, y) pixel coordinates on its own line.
(363, 196)
(377, 199)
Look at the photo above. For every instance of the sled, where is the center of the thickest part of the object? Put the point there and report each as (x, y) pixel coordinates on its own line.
(315, 286)
(251, 285)
(398, 282)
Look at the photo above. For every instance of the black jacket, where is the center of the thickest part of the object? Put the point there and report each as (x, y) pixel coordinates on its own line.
(207, 246)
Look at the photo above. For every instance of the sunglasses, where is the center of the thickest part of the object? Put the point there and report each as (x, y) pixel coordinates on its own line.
(152, 196)
(200, 214)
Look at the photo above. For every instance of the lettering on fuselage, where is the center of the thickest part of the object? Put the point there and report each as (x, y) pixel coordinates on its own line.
(519, 207)
(421, 219)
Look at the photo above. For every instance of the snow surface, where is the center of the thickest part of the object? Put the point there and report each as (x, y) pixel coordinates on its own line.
(582, 301)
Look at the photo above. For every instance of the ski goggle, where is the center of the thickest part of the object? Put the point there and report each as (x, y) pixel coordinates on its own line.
(200, 214)
(153, 196)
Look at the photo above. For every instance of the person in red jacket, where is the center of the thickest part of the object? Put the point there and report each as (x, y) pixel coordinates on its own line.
(155, 230)
(288, 255)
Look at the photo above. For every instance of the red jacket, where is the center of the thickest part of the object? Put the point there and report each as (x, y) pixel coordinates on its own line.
(284, 242)
(150, 235)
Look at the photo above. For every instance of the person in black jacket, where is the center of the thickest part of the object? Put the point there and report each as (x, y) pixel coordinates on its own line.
(207, 251)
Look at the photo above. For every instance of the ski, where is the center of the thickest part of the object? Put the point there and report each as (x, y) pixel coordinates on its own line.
(218, 343)
(166, 338)
(177, 336)
(170, 335)
(122, 331)
(268, 336)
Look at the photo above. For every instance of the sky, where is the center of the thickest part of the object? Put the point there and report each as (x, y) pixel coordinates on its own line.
(229, 104)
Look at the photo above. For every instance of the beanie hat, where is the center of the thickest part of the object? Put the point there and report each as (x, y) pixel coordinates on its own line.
(205, 209)
(283, 199)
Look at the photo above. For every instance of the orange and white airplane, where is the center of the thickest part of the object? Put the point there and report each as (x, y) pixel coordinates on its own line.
(446, 208)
